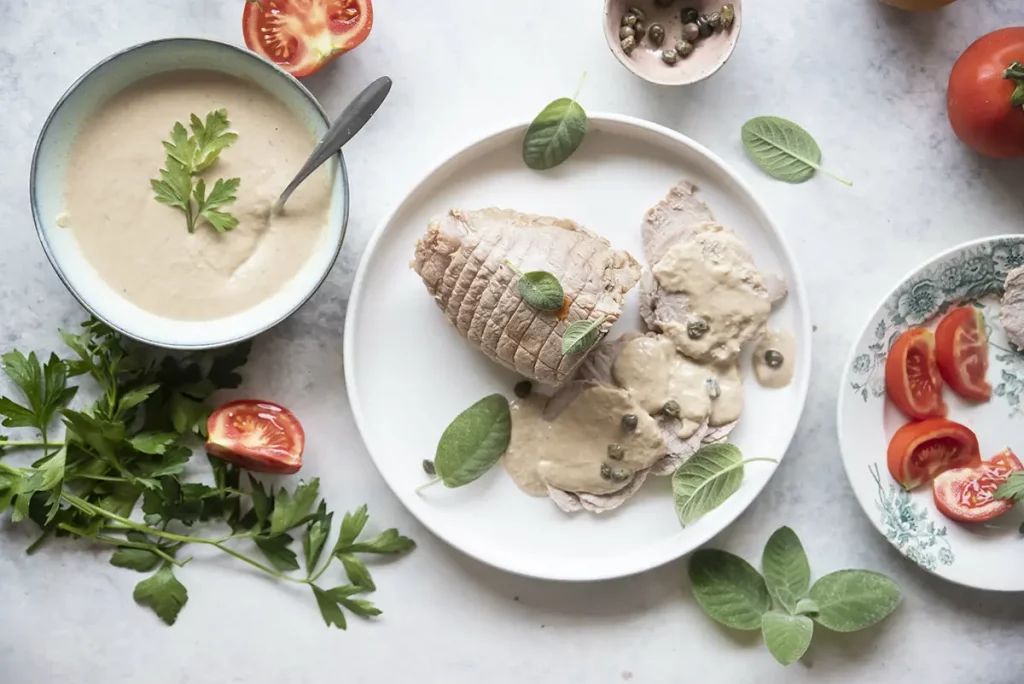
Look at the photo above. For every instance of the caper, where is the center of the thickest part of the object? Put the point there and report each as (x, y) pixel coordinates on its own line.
(689, 15)
(715, 20)
(641, 31)
(606, 471)
(713, 388)
(627, 32)
(656, 34)
(628, 44)
(638, 13)
(728, 16)
(704, 27)
(616, 452)
(684, 48)
(690, 32)
(671, 408)
(629, 20)
(629, 422)
(774, 358)
(669, 56)
(428, 467)
(620, 475)
(523, 389)
(698, 327)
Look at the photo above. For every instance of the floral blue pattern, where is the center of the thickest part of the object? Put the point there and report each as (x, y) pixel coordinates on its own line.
(908, 528)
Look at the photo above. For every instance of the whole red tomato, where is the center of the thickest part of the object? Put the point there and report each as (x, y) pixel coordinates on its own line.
(986, 94)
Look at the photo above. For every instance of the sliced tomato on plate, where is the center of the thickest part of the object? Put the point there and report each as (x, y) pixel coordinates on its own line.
(920, 451)
(961, 350)
(301, 36)
(256, 435)
(912, 378)
(968, 494)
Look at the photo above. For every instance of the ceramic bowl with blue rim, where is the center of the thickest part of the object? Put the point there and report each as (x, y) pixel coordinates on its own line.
(981, 555)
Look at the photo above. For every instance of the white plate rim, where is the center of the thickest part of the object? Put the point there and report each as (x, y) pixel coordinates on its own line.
(797, 287)
(848, 464)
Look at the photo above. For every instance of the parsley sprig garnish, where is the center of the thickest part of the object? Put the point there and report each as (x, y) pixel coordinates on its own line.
(190, 155)
(132, 446)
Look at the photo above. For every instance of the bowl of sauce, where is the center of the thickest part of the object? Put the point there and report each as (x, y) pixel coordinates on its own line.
(171, 275)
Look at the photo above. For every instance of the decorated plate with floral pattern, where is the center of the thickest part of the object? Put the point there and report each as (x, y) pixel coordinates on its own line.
(983, 555)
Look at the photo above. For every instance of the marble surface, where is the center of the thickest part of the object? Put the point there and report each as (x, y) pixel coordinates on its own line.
(869, 82)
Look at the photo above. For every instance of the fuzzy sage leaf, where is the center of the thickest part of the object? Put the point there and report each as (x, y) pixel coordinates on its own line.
(852, 600)
(581, 336)
(786, 636)
(539, 289)
(729, 589)
(473, 442)
(556, 133)
(783, 149)
(707, 479)
(786, 569)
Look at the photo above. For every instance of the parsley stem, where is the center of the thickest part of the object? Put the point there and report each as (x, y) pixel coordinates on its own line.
(29, 443)
(124, 542)
(255, 564)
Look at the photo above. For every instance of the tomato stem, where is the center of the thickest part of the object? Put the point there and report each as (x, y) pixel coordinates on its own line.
(1015, 73)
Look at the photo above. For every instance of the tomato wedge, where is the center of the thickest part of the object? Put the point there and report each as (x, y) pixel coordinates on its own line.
(912, 378)
(920, 451)
(961, 350)
(968, 494)
(301, 36)
(256, 435)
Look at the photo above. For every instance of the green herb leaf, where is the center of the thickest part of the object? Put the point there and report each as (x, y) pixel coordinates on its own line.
(222, 194)
(387, 542)
(360, 607)
(729, 589)
(45, 388)
(351, 527)
(289, 510)
(806, 606)
(556, 133)
(163, 593)
(329, 608)
(1013, 488)
(474, 441)
(139, 560)
(357, 572)
(786, 570)
(782, 149)
(224, 370)
(277, 552)
(261, 503)
(581, 336)
(210, 138)
(852, 600)
(316, 536)
(539, 289)
(707, 479)
(786, 636)
(153, 443)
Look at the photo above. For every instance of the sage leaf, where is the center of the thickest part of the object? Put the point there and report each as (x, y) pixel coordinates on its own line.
(704, 482)
(556, 133)
(474, 441)
(581, 336)
(852, 600)
(729, 589)
(541, 290)
(786, 569)
(806, 606)
(783, 149)
(786, 636)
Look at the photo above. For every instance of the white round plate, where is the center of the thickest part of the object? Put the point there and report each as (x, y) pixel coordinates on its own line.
(409, 373)
(985, 556)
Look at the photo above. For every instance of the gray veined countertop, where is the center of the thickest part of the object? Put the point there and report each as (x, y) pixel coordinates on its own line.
(868, 82)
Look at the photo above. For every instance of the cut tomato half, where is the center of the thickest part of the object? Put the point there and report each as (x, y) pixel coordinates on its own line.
(968, 494)
(961, 350)
(920, 451)
(301, 36)
(912, 378)
(256, 435)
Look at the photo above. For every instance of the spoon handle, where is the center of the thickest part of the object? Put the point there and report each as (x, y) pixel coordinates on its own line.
(348, 123)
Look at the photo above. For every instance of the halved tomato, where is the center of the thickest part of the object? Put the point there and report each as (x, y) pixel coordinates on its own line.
(961, 350)
(256, 435)
(912, 378)
(301, 36)
(920, 451)
(968, 494)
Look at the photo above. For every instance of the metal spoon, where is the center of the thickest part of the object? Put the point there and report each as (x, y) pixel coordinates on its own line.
(348, 123)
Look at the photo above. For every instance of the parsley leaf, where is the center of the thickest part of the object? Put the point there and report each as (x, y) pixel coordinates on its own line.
(210, 138)
(332, 600)
(140, 560)
(357, 572)
(222, 194)
(163, 593)
(1013, 488)
(277, 552)
(387, 542)
(45, 388)
(316, 536)
(290, 510)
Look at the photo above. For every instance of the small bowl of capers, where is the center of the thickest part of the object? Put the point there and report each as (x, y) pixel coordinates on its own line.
(672, 42)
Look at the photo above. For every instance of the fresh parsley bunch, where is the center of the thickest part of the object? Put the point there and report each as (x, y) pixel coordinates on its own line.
(190, 155)
(782, 603)
(132, 445)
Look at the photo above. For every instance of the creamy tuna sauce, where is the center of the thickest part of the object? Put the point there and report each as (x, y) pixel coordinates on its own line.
(726, 295)
(571, 451)
(142, 248)
(772, 371)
